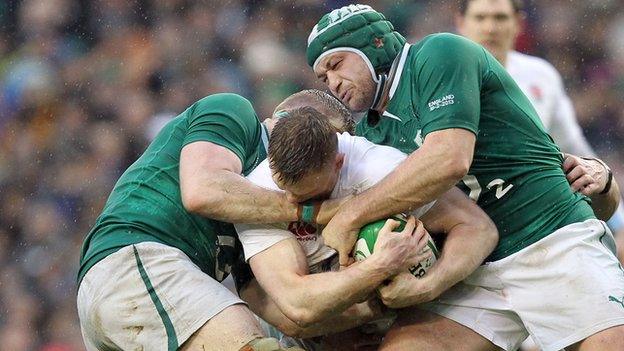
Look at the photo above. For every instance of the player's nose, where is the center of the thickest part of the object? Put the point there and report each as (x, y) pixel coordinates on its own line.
(333, 83)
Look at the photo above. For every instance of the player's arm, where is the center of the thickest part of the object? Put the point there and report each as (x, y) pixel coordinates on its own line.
(451, 68)
(212, 186)
(471, 237)
(590, 176)
(223, 132)
(282, 271)
(264, 306)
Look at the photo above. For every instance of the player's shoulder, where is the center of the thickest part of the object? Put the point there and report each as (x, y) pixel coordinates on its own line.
(228, 104)
(517, 61)
(357, 145)
(223, 98)
(348, 144)
(447, 43)
(445, 49)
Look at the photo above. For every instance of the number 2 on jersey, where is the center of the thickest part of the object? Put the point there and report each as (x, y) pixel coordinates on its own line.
(475, 188)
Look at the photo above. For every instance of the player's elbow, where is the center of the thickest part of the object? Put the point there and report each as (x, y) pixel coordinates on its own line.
(193, 202)
(488, 232)
(200, 202)
(302, 316)
(455, 168)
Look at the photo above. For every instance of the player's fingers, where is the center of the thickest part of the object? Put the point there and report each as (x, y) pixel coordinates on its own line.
(385, 292)
(575, 173)
(569, 162)
(343, 257)
(409, 226)
(422, 242)
(589, 189)
(423, 254)
(420, 230)
(582, 182)
(389, 226)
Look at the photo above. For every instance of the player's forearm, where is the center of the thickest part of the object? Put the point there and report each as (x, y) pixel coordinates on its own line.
(229, 197)
(265, 307)
(465, 249)
(605, 205)
(422, 177)
(352, 317)
(317, 297)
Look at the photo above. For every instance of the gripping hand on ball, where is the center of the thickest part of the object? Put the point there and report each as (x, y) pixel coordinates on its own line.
(406, 290)
(340, 234)
(398, 251)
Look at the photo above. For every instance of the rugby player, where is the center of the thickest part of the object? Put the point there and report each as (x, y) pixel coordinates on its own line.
(150, 267)
(300, 294)
(495, 25)
(452, 105)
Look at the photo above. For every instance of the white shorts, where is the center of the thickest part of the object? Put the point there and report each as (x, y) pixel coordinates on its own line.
(560, 290)
(147, 296)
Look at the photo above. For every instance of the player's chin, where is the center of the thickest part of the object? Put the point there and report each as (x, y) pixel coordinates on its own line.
(358, 104)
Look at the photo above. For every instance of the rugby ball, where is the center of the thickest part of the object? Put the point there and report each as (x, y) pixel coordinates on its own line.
(368, 235)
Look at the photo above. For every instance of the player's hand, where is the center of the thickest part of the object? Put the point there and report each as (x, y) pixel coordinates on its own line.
(371, 309)
(588, 177)
(398, 251)
(340, 234)
(406, 290)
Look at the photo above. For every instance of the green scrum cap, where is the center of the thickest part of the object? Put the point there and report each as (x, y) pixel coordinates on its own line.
(359, 29)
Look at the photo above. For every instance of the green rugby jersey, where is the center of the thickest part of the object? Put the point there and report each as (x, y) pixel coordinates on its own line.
(146, 205)
(447, 81)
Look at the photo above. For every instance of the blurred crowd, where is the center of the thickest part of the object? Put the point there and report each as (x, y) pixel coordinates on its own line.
(84, 86)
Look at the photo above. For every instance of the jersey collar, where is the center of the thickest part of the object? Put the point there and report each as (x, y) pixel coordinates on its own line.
(265, 138)
(394, 77)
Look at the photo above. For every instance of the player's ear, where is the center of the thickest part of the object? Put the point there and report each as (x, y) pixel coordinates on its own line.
(459, 22)
(519, 18)
(339, 160)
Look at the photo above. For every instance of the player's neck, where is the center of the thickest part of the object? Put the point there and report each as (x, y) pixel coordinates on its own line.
(503, 59)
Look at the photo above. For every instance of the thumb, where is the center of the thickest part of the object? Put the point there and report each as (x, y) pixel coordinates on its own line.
(343, 256)
(389, 226)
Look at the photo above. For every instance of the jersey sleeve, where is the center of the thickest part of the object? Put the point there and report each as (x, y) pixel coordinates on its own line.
(228, 120)
(259, 237)
(448, 84)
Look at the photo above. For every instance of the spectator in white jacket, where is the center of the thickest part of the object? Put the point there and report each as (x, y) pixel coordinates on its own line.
(495, 25)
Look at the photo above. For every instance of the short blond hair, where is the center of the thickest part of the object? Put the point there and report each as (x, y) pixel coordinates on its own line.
(338, 115)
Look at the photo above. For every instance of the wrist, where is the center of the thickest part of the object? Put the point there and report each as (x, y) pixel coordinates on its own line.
(308, 212)
(607, 187)
(376, 266)
(434, 288)
(351, 217)
(289, 209)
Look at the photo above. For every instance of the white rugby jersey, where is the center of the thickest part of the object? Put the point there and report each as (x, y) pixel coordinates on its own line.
(543, 85)
(364, 165)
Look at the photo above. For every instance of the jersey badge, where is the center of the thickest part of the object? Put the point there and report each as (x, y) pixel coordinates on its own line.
(303, 231)
(536, 92)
